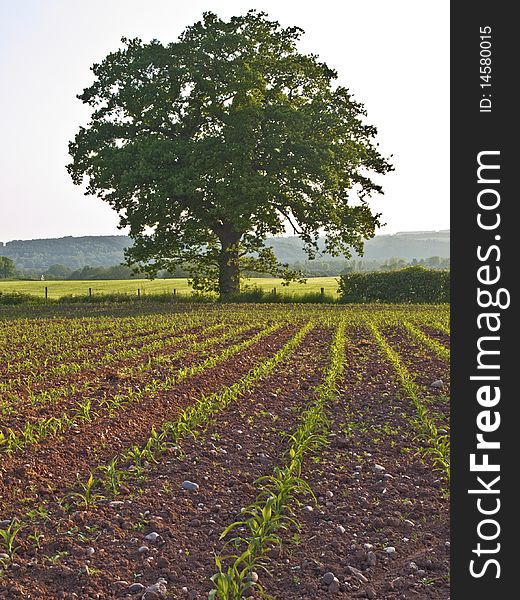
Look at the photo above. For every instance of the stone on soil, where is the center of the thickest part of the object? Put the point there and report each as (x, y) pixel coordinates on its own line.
(156, 590)
(190, 485)
(328, 578)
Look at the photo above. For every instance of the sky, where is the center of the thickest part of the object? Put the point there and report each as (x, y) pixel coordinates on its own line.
(393, 55)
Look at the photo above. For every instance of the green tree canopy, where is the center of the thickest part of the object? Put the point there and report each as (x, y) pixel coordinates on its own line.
(208, 144)
(7, 267)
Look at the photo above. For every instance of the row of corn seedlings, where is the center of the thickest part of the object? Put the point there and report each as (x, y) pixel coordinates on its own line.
(113, 352)
(428, 341)
(437, 444)
(47, 340)
(106, 347)
(442, 326)
(108, 478)
(194, 417)
(162, 349)
(151, 350)
(264, 522)
(11, 403)
(32, 433)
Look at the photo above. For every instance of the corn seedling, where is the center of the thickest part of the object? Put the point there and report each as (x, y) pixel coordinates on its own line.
(87, 496)
(113, 477)
(8, 537)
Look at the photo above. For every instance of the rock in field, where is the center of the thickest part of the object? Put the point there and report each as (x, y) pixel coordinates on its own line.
(328, 578)
(190, 485)
(116, 503)
(156, 590)
(438, 383)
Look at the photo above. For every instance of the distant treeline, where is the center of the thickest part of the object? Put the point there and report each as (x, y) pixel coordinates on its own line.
(61, 272)
(38, 256)
(309, 269)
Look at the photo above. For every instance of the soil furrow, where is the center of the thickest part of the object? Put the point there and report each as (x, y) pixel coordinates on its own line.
(244, 443)
(52, 465)
(374, 493)
(119, 378)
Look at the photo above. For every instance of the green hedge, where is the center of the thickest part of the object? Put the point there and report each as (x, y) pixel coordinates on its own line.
(415, 285)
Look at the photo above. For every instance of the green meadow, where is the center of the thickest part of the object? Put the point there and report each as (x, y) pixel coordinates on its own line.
(57, 289)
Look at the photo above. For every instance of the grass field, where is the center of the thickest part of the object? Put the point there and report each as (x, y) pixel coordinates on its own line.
(57, 289)
(138, 451)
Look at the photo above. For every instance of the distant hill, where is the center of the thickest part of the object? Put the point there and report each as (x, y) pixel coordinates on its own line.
(105, 251)
(407, 245)
(73, 252)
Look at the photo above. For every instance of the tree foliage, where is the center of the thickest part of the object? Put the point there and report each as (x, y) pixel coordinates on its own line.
(209, 144)
(7, 267)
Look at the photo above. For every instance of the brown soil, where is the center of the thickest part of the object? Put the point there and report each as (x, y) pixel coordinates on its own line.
(402, 507)
(52, 465)
(242, 444)
(107, 380)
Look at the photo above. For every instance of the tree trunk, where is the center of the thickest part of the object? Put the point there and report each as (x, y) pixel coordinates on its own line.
(228, 262)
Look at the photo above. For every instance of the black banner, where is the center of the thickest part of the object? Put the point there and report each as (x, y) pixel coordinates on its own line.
(484, 127)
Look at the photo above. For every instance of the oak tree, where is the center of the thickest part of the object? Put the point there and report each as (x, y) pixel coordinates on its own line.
(207, 145)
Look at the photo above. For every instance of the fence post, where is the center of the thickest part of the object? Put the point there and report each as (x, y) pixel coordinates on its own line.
(46, 292)
(174, 292)
(322, 291)
(90, 291)
(138, 293)
(274, 291)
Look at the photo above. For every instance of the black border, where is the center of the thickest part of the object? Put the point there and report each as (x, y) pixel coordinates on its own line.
(471, 133)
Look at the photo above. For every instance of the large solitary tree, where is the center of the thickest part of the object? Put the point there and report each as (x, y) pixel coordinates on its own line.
(207, 145)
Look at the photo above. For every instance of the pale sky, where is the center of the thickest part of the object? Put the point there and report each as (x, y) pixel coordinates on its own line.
(393, 55)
